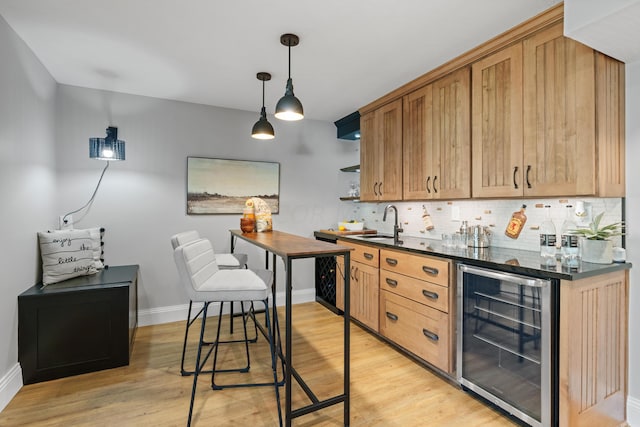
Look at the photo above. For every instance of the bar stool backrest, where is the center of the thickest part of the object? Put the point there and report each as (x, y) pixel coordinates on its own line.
(184, 238)
(196, 264)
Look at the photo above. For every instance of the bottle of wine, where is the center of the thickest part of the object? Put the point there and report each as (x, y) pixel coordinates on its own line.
(548, 240)
(569, 250)
(516, 223)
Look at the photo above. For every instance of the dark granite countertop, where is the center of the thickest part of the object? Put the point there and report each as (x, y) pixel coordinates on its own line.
(503, 259)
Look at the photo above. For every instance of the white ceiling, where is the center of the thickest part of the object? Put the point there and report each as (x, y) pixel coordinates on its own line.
(209, 51)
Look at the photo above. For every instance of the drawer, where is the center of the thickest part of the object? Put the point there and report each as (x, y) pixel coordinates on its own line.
(420, 329)
(420, 291)
(362, 253)
(421, 267)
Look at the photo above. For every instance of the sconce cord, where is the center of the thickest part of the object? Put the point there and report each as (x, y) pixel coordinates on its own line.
(93, 196)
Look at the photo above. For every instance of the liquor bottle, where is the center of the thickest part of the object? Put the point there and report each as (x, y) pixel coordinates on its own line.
(516, 223)
(547, 240)
(569, 250)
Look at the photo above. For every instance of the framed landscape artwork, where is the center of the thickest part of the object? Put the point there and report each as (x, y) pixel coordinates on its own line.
(222, 186)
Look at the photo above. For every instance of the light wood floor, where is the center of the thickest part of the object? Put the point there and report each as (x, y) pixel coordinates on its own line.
(388, 388)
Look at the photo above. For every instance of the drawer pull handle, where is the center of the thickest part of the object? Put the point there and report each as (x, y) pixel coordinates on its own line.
(430, 270)
(427, 333)
(392, 261)
(392, 316)
(367, 255)
(392, 282)
(429, 294)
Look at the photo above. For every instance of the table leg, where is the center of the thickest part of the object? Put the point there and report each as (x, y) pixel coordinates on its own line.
(347, 332)
(288, 343)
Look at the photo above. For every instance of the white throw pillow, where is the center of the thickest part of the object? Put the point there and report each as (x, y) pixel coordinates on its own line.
(66, 254)
(96, 243)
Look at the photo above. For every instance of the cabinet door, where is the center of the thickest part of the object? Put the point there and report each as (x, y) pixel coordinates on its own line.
(497, 124)
(451, 156)
(369, 176)
(610, 111)
(558, 115)
(381, 153)
(593, 350)
(365, 295)
(417, 142)
(390, 145)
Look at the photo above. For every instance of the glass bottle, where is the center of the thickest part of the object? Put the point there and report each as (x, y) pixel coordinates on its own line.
(516, 223)
(569, 249)
(547, 240)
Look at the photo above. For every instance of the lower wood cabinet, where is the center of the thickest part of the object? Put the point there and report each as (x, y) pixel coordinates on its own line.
(593, 350)
(364, 284)
(422, 330)
(407, 298)
(417, 310)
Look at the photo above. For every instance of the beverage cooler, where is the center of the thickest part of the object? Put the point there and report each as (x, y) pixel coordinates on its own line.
(506, 342)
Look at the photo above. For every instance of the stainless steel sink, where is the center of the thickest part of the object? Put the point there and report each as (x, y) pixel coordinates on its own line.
(376, 236)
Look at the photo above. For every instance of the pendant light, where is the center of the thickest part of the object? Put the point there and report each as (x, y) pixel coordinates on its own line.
(289, 107)
(263, 129)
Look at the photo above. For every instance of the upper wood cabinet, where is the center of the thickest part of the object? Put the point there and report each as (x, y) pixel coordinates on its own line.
(541, 115)
(497, 124)
(381, 153)
(558, 115)
(537, 106)
(437, 138)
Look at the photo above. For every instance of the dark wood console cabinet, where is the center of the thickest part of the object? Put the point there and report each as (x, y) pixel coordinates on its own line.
(81, 325)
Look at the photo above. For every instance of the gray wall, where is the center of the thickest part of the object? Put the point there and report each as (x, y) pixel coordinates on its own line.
(27, 184)
(141, 201)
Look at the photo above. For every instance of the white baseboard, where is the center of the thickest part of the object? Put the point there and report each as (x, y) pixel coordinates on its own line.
(633, 411)
(10, 385)
(177, 313)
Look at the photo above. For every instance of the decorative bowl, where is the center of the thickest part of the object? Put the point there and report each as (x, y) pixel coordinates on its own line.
(352, 226)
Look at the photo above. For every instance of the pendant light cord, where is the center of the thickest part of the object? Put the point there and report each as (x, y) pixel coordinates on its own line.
(289, 44)
(93, 196)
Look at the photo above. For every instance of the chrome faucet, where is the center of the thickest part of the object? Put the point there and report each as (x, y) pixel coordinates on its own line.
(396, 229)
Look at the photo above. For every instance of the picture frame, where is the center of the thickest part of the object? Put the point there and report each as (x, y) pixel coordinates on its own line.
(222, 186)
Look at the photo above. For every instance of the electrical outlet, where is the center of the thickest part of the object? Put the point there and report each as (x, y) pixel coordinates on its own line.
(65, 223)
(455, 213)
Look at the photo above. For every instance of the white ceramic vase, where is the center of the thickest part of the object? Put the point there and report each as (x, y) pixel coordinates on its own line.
(597, 251)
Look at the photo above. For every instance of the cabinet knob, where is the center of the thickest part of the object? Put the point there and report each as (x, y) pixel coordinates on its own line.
(367, 255)
(391, 261)
(391, 282)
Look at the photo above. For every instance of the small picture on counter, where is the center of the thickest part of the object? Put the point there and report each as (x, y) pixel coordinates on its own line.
(222, 186)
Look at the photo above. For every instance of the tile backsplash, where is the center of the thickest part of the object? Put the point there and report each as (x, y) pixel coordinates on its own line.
(447, 217)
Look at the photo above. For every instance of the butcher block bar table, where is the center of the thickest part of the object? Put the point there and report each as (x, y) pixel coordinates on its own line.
(289, 247)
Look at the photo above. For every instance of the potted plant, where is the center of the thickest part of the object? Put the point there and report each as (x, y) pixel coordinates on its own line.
(595, 240)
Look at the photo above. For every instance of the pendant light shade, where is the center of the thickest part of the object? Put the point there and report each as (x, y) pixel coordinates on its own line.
(263, 129)
(109, 148)
(289, 107)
